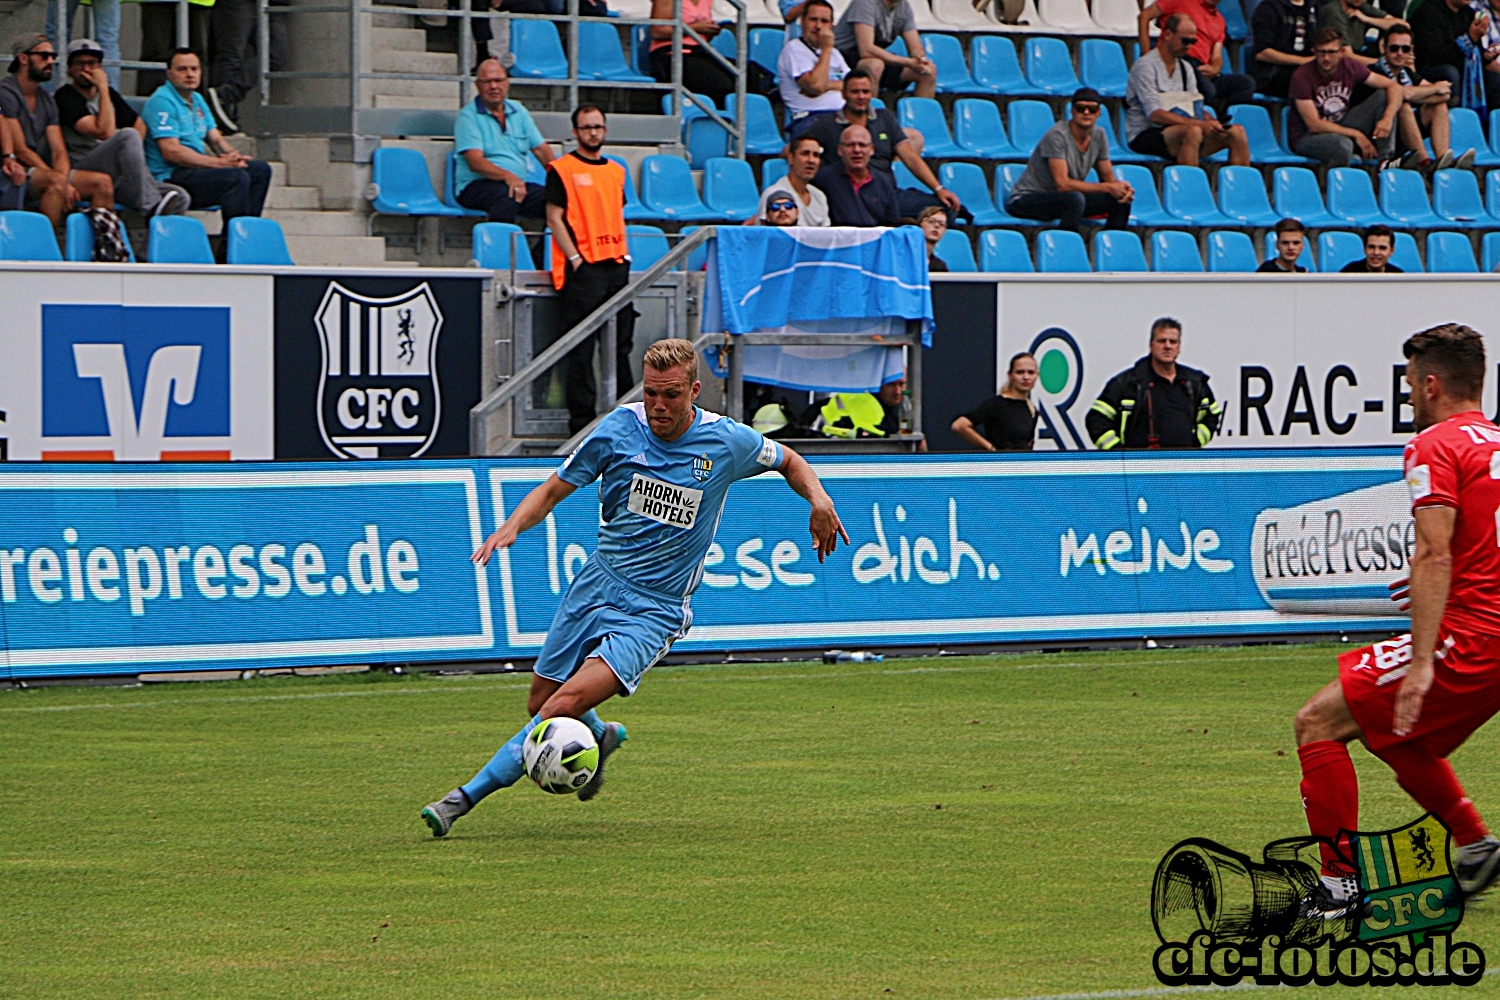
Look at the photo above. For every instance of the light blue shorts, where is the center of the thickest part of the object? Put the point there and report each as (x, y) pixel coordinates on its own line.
(602, 615)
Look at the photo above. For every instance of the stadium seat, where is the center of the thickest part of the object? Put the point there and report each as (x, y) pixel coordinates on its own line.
(1403, 197)
(667, 189)
(1029, 120)
(923, 17)
(1186, 196)
(535, 172)
(926, 115)
(1351, 198)
(1118, 151)
(978, 132)
(1306, 259)
(729, 188)
(948, 56)
(1235, 26)
(762, 135)
(1257, 123)
(79, 237)
(960, 14)
(493, 243)
(1242, 197)
(765, 47)
(1466, 133)
(967, 181)
(1450, 253)
(1491, 252)
(403, 186)
(640, 47)
(1004, 250)
(648, 244)
(1049, 67)
(1455, 198)
(772, 171)
(633, 207)
(254, 240)
(600, 56)
(905, 178)
(175, 239)
(538, 51)
(1286, 113)
(1116, 250)
(1173, 250)
(690, 110)
(1006, 175)
(1067, 16)
(955, 251)
(698, 259)
(1337, 249)
(1145, 207)
(1231, 253)
(1294, 192)
(1101, 65)
(996, 68)
(704, 139)
(1115, 17)
(1059, 251)
(450, 186)
(1406, 256)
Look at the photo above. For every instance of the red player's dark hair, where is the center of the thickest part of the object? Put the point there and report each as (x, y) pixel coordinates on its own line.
(1453, 351)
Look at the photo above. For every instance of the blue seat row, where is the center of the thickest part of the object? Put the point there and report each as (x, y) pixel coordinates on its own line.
(174, 239)
(496, 242)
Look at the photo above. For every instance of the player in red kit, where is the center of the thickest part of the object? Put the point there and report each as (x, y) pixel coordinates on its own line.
(1414, 699)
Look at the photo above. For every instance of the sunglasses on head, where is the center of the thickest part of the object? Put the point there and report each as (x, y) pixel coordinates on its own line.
(1398, 48)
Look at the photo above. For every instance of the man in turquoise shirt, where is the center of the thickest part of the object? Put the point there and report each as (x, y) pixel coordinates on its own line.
(492, 136)
(185, 147)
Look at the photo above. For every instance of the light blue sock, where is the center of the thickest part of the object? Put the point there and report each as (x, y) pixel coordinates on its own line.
(595, 724)
(503, 770)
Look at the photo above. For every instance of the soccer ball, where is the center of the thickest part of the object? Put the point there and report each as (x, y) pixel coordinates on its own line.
(560, 755)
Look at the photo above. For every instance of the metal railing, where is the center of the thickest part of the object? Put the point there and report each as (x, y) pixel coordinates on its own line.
(60, 19)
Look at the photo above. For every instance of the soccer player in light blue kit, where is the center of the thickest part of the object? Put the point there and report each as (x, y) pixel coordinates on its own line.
(666, 467)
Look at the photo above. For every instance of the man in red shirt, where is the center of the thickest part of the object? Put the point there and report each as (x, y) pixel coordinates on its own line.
(1206, 56)
(1414, 699)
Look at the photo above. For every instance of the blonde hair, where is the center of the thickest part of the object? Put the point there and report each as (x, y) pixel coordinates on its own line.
(672, 353)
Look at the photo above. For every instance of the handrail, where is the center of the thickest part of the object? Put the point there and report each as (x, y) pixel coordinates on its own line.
(543, 363)
(634, 394)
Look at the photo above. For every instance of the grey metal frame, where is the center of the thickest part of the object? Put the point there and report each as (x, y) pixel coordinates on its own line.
(60, 16)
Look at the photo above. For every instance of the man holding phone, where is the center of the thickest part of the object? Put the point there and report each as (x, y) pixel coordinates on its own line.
(1164, 108)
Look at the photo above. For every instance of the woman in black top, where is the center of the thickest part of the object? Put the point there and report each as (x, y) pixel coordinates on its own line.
(1009, 420)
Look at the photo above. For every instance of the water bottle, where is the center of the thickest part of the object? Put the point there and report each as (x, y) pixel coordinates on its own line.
(845, 656)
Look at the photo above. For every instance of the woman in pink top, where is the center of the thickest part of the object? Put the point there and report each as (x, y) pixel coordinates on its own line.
(701, 72)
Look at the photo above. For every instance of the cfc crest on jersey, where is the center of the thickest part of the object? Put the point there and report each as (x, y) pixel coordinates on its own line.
(703, 467)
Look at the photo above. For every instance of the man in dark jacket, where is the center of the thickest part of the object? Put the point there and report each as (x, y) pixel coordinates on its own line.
(1157, 403)
(1435, 29)
(857, 195)
(1283, 31)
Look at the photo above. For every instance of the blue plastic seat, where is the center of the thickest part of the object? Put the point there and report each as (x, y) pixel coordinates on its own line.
(729, 188)
(1006, 175)
(1492, 193)
(174, 239)
(1351, 198)
(1029, 120)
(535, 172)
(1186, 196)
(724, 44)
(1101, 65)
(905, 178)
(689, 109)
(633, 208)
(254, 240)
(1455, 198)
(1286, 117)
(79, 237)
(996, 68)
(1235, 26)
(450, 186)
(1295, 195)
(1004, 250)
(667, 189)
(967, 181)
(978, 131)
(1337, 249)
(403, 186)
(538, 51)
(704, 139)
(698, 259)
(1306, 257)
(648, 244)
(926, 115)
(1491, 252)
(1403, 197)
(1231, 253)
(1059, 251)
(600, 56)
(772, 171)
(1262, 138)
(955, 251)
(493, 243)
(765, 47)
(763, 138)
(1242, 197)
(1450, 253)
(1145, 207)
(1049, 67)
(1118, 151)
(1406, 256)
(1117, 250)
(952, 73)
(1173, 250)
(1465, 133)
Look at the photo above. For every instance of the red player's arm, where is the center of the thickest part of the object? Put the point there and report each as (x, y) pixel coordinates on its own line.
(1431, 575)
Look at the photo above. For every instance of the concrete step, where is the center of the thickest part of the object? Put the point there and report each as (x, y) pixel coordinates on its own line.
(212, 221)
(384, 20)
(403, 39)
(413, 88)
(337, 250)
(412, 103)
(278, 174)
(297, 222)
(294, 197)
(404, 61)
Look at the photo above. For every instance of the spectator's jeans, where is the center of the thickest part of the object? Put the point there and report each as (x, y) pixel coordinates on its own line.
(493, 197)
(1337, 150)
(122, 157)
(1219, 92)
(1455, 77)
(1069, 208)
(584, 290)
(106, 33)
(237, 191)
(159, 38)
(234, 74)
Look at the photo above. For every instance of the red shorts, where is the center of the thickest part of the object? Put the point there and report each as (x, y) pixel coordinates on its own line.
(1465, 690)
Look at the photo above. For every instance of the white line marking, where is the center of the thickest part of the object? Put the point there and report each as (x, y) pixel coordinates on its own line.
(248, 698)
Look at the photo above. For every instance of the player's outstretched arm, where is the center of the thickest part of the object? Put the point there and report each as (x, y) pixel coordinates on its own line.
(1431, 574)
(824, 524)
(529, 513)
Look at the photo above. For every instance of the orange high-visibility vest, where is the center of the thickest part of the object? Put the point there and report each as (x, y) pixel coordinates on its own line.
(595, 214)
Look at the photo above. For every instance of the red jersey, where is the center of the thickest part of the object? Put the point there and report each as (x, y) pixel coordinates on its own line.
(1211, 27)
(1457, 464)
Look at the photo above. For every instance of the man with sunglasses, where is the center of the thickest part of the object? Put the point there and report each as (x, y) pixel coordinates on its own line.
(781, 211)
(1425, 108)
(1055, 184)
(804, 158)
(1164, 113)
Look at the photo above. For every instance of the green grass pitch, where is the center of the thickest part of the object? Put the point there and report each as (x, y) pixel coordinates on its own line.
(768, 831)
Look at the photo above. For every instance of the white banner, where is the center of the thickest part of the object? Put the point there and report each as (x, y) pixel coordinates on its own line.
(110, 365)
(1310, 360)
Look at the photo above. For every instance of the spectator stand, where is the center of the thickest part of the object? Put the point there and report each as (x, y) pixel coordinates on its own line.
(59, 15)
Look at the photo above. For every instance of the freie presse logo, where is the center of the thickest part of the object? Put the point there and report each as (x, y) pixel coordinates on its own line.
(1223, 918)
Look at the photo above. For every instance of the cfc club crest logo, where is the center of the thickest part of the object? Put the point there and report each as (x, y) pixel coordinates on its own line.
(703, 467)
(1222, 917)
(378, 391)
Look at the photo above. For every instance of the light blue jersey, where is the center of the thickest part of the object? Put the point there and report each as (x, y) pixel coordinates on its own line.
(662, 500)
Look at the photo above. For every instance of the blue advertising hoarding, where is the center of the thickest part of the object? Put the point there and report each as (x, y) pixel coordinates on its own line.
(137, 568)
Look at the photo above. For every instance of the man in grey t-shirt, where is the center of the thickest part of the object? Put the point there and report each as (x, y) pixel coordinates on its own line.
(1164, 110)
(865, 34)
(1054, 185)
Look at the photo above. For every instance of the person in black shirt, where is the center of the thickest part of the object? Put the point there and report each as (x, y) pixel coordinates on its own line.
(857, 195)
(1436, 29)
(1291, 237)
(1157, 403)
(1009, 419)
(1380, 243)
